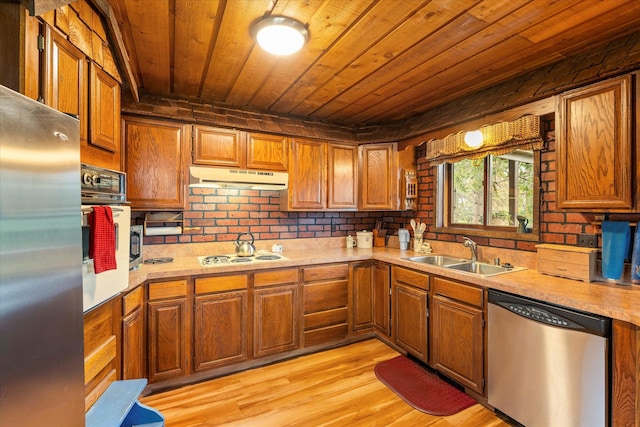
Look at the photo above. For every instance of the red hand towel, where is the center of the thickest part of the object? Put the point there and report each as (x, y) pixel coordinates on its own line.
(102, 239)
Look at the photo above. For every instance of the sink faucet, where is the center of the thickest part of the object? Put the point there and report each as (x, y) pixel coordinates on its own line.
(473, 246)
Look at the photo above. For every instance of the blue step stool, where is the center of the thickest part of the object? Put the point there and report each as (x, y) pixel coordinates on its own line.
(119, 407)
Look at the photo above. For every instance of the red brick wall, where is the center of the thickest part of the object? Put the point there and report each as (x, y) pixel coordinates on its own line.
(220, 215)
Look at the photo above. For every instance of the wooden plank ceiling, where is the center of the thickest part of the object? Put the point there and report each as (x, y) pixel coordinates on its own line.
(367, 61)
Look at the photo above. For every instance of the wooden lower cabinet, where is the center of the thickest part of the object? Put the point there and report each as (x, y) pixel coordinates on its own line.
(133, 335)
(457, 332)
(220, 321)
(169, 338)
(410, 296)
(382, 298)
(276, 312)
(325, 303)
(362, 297)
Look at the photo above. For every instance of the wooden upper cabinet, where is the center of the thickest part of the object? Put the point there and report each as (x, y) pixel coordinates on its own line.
(156, 157)
(65, 78)
(342, 173)
(322, 176)
(235, 149)
(105, 110)
(307, 188)
(378, 177)
(267, 152)
(74, 85)
(217, 147)
(594, 147)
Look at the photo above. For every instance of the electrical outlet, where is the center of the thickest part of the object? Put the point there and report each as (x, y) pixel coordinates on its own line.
(334, 228)
(588, 240)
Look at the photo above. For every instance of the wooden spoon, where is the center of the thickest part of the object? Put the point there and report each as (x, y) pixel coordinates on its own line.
(413, 225)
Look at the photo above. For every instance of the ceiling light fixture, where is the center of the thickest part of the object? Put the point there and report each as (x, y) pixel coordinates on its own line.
(473, 138)
(280, 35)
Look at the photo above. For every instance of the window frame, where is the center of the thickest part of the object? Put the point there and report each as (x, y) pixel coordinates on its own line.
(443, 207)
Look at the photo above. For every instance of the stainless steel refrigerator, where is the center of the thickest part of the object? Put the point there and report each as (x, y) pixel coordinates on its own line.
(41, 333)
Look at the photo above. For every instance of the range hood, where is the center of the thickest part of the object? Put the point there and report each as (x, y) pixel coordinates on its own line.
(238, 178)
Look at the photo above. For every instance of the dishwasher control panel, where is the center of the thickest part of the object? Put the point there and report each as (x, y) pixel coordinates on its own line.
(540, 315)
(551, 314)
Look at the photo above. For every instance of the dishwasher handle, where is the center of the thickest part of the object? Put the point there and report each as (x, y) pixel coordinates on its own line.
(551, 314)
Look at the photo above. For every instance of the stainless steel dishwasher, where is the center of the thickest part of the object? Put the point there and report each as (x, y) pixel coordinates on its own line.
(548, 365)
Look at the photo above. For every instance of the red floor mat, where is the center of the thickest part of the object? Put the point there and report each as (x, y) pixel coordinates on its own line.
(420, 388)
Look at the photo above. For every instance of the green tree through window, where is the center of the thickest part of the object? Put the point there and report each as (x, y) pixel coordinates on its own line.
(491, 192)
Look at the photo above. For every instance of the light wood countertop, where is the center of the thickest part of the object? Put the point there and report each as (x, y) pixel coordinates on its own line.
(611, 300)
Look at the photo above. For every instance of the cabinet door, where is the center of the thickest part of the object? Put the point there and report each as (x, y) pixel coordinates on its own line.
(65, 81)
(133, 335)
(168, 340)
(155, 163)
(218, 147)
(307, 189)
(220, 329)
(410, 314)
(105, 110)
(103, 147)
(595, 167)
(382, 298)
(133, 345)
(457, 341)
(276, 320)
(267, 152)
(342, 177)
(362, 297)
(378, 177)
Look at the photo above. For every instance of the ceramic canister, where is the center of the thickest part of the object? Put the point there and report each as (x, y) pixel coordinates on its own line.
(365, 239)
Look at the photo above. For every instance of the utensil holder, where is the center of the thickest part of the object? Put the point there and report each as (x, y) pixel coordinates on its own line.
(417, 242)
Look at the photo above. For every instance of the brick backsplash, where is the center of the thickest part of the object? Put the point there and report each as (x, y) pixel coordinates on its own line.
(219, 215)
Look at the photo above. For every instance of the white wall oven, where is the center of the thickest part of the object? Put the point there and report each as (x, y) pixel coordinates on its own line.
(100, 188)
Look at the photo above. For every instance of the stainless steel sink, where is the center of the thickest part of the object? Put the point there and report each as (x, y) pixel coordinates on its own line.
(483, 269)
(439, 260)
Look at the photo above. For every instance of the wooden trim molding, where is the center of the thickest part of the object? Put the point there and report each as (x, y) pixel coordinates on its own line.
(625, 374)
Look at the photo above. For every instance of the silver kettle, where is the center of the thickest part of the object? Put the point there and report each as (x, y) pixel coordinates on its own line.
(245, 248)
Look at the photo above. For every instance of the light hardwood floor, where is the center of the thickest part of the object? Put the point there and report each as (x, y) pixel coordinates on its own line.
(336, 387)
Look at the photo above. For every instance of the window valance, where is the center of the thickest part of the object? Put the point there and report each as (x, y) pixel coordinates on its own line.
(497, 139)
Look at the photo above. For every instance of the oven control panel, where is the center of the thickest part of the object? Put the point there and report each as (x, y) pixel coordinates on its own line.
(102, 186)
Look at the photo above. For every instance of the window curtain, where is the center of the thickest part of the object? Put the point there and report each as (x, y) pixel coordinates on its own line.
(498, 139)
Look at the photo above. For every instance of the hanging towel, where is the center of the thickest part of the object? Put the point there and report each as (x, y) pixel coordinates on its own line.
(102, 239)
(615, 248)
(635, 258)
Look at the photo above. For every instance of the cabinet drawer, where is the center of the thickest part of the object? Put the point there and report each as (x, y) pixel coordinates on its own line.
(275, 277)
(325, 318)
(324, 335)
(325, 296)
(162, 290)
(458, 291)
(132, 300)
(410, 277)
(326, 272)
(221, 283)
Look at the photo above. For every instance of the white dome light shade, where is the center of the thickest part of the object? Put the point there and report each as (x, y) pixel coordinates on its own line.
(280, 35)
(473, 139)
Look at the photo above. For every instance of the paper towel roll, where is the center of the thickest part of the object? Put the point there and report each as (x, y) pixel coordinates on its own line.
(162, 231)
